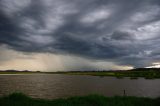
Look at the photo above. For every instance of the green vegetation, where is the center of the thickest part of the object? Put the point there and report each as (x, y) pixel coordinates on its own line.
(119, 74)
(18, 99)
(148, 73)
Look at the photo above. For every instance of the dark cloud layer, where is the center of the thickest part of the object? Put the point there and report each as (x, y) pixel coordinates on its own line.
(122, 31)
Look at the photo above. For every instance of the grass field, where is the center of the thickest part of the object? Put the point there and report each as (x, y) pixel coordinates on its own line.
(18, 99)
(118, 74)
(151, 74)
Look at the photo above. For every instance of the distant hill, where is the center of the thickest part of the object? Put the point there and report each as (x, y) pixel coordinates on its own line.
(15, 71)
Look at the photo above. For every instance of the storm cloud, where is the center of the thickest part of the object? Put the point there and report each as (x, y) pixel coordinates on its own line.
(120, 31)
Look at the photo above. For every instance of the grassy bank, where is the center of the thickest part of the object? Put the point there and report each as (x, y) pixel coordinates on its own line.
(18, 99)
(149, 74)
(119, 74)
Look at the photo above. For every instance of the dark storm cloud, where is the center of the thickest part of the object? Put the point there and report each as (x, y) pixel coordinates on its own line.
(122, 36)
(122, 31)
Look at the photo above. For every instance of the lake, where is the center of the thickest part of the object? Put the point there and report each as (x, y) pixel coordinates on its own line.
(53, 86)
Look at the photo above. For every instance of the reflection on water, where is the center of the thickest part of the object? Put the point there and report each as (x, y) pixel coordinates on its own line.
(57, 86)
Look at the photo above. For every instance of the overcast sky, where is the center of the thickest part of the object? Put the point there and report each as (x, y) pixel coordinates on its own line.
(53, 35)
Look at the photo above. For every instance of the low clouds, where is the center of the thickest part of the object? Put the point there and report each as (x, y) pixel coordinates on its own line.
(119, 31)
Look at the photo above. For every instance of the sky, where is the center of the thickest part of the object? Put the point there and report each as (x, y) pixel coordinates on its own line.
(66, 35)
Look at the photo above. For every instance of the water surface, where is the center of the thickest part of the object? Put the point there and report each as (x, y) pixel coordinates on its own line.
(53, 86)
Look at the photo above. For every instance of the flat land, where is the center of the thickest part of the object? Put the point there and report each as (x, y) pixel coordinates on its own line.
(118, 74)
(150, 74)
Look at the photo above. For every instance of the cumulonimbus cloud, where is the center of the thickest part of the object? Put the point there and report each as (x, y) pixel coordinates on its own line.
(125, 32)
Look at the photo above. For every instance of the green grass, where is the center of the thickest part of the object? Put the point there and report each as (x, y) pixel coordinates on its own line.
(150, 74)
(18, 99)
(119, 74)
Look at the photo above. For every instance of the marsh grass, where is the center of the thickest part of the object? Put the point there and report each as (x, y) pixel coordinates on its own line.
(19, 99)
(150, 74)
(119, 74)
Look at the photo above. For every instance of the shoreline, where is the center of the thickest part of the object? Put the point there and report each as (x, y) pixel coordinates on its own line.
(117, 74)
(19, 99)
